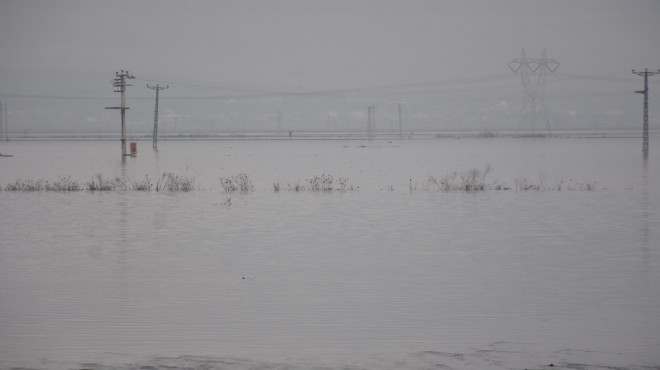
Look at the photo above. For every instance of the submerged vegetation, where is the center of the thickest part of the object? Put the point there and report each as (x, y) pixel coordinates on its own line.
(172, 182)
(323, 183)
(240, 182)
(62, 184)
(473, 180)
(523, 184)
(168, 182)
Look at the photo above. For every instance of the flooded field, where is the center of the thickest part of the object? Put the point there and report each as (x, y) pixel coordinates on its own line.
(387, 272)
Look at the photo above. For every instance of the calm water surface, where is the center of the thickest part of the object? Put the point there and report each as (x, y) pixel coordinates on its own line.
(379, 277)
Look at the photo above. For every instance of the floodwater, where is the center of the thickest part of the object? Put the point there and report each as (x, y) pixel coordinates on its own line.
(389, 275)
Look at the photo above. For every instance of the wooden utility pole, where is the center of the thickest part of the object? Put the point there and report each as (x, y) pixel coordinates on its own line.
(155, 138)
(119, 83)
(645, 124)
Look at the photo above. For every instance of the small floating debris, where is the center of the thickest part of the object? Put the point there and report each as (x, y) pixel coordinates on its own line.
(5, 155)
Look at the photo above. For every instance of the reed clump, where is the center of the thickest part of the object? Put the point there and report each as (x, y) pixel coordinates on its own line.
(172, 182)
(168, 182)
(468, 181)
(141, 184)
(322, 183)
(524, 184)
(26, 185)
(62, 184)
(240, 182)
(99, 183)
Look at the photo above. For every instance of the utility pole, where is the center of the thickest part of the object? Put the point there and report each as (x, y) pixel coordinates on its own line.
(645, 125)
(119, 84)
(157, 88)
(3, 130)
(371, 120)
(400, 123)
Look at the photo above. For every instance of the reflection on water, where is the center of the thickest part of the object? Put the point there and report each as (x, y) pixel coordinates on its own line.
(365, 279)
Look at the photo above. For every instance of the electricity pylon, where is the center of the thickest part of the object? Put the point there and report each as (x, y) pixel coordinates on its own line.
(119, 83)
(157, 88)
(533, 72)
(645, 124)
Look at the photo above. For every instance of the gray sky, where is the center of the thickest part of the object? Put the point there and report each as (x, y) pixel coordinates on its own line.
(74, 47)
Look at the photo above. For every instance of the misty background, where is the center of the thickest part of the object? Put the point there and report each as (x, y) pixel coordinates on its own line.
(275, 66)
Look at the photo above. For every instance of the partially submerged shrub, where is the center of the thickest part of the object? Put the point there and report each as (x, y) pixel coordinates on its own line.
(523, 184)
(62, 184)
(141, 185)
(99, 183)
(323, 183)
(172, 182)
(240, 182)
(168, 182)
(26, 185)
(471, 180)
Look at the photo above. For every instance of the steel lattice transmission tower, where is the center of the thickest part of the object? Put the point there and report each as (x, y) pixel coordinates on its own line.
(155, 136)
(533, 72)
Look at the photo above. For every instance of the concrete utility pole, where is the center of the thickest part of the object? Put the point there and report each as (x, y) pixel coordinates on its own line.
(645, 125)
(3, 129)
(371, 120)
(400, 123)
(120, 86)
(157, 88)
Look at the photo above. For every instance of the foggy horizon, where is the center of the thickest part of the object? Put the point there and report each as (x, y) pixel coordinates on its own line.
(294, 65)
